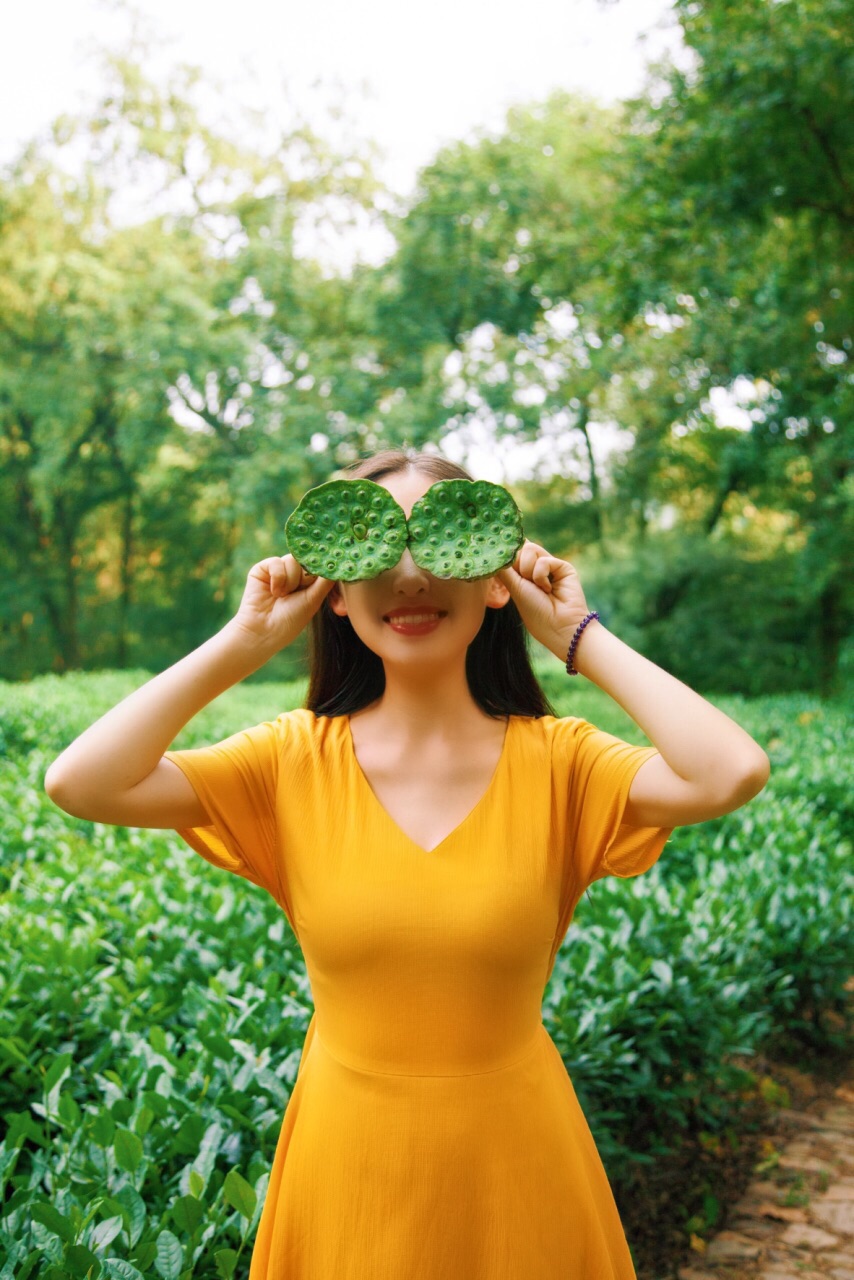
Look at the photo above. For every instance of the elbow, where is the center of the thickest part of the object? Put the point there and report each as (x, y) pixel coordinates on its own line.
(52, 781)
(63, 794)
(751, 777)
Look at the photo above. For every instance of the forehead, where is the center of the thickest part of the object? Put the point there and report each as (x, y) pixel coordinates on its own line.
(406, 487)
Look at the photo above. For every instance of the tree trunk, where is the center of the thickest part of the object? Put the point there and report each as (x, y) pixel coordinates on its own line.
(126, 581)
(67, 622)
(595, 488)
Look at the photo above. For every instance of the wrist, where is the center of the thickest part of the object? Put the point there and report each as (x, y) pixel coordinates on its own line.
(249, 647)
(560, 645)
(579, 640)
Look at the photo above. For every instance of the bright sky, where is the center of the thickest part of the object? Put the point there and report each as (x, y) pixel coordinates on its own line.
(434, 71)
(415, 77)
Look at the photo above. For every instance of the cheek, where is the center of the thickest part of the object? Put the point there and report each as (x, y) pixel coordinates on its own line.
(363, 610)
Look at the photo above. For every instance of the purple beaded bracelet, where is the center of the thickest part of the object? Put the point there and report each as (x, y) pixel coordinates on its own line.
(570, 670)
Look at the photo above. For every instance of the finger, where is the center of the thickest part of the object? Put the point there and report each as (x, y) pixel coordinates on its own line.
(281, 575)
(532, 552)
(534, 562)
(512, 580)
(261, 572)
(320, 587)
(296, 577)
(540, 575)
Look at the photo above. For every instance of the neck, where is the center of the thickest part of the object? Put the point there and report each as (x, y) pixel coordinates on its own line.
(418, 705)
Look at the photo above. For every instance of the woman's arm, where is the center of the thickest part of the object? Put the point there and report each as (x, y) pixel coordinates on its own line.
(708, 765)
(114, 771)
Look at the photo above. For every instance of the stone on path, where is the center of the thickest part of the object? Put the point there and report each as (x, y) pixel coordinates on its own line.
(770, 1238)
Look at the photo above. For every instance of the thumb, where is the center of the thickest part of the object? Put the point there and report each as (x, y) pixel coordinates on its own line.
(507, 575)
(320, 587)
(513, 581)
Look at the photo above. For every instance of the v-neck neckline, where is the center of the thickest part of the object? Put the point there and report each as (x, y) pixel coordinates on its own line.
(348, 733)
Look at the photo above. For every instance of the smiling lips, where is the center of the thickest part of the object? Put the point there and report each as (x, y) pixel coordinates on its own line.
(414, 620)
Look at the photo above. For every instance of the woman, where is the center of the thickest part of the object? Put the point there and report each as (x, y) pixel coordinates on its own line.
(428, 825)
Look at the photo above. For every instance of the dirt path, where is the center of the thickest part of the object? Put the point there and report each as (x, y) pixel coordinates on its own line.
(796, 1220)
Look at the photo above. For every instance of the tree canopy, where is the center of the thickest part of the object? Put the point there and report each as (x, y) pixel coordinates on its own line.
(577, 288)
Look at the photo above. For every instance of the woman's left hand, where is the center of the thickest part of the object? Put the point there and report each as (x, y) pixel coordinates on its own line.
(548, 594)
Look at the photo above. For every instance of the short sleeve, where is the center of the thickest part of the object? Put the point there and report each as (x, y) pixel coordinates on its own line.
(237, 781)
(601, 768)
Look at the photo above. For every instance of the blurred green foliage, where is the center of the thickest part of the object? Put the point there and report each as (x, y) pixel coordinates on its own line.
(154, 1007)
(582, 278)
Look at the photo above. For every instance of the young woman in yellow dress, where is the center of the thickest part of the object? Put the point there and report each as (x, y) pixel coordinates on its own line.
(428, 825)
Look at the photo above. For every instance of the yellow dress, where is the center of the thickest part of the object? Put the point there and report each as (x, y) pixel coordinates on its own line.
(433, 1132)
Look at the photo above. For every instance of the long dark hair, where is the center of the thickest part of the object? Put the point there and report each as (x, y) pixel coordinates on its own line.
(346, 675)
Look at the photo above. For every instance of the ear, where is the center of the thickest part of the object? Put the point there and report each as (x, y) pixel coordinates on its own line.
(497, 595)
(336, 601)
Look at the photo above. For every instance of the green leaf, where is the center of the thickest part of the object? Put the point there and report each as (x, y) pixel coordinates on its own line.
(144, 1256)
(170, 1256)
(119, 1269)
(106, 1232)
(197, 1183)
(28, 1265)
(137, 1213)
(188, 1213)
(51, 1218)
(22, 1125)
(209, 1149)
(110, 1206)
(239, 1194)
(128, 1149)
(81, 1261)
(158, 1104)
(157, 1039)
(103, 1128)
(10, 1048)
(143, 1122)
(57, 1071)
(226, 1260)
(68, 1110)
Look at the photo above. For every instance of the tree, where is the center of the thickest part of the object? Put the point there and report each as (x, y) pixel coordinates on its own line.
(739, 193)
(108, 329)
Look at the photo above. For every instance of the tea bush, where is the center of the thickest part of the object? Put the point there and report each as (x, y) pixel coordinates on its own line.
(153, 1008)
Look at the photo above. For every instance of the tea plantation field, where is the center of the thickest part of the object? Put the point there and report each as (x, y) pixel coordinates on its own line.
(153, 1008)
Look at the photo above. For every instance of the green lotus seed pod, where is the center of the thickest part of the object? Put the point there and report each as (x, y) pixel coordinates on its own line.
(476, 529)
(365, 530)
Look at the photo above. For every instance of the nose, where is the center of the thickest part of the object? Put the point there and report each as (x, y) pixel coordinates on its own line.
(406, 574)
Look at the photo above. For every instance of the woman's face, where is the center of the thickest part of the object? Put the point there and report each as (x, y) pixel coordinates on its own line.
(405, 613)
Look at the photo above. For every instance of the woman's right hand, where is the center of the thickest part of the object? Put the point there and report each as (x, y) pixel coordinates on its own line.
(279, 600)
(116, 771)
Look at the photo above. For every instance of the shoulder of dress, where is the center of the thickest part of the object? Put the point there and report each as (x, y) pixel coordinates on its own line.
(302, 726)
(297, 716)
(564, 736)
(557, 726)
